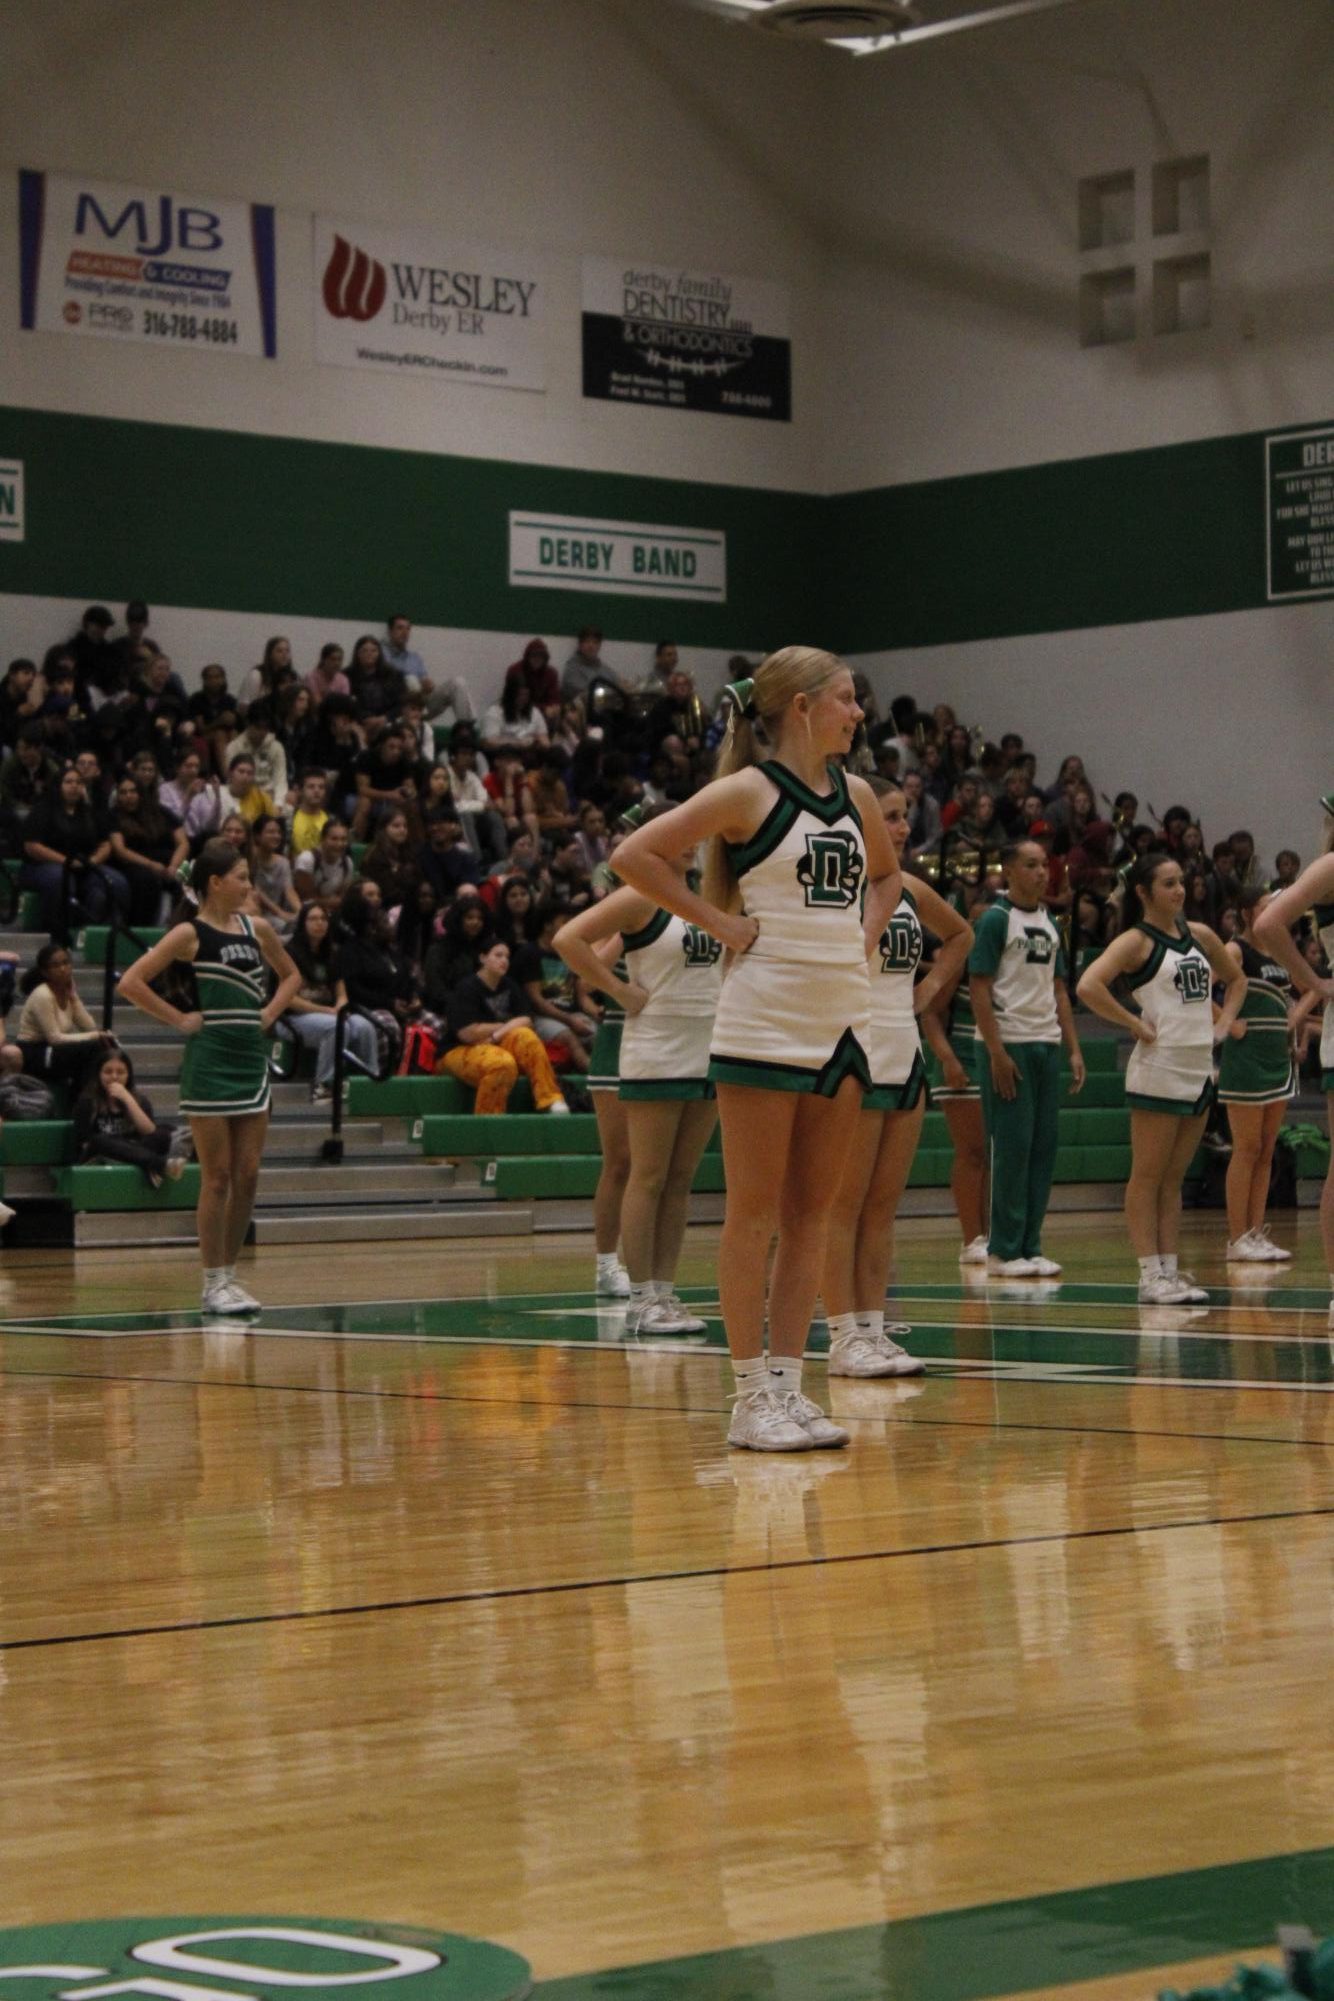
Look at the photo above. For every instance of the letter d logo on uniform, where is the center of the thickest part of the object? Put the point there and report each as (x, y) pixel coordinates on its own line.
(354, 284)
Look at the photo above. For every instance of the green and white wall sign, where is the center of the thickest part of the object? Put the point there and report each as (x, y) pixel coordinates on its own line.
(626, 558)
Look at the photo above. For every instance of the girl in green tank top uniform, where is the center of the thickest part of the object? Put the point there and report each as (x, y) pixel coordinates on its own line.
(1255, 1081)
(225, 1071)
(949, 1031)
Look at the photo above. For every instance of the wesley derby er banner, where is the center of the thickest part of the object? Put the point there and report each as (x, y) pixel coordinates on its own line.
(686, 340)
(148, 264)
(428, 306)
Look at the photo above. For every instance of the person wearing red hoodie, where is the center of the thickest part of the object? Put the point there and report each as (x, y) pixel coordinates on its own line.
(536, 669)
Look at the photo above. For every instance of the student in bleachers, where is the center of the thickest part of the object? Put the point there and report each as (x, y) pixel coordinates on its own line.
(148, 845)
(312, 1016)
(326, 677)
(515, 719)
(242, 795)
(263, 683)
(67, 849)
(193, 797)
(59, 1039)
(324, 874)
(216, 715)
(271, 875)
(491, 1039)
(392, 860)
(114, 1121)
(465, 933)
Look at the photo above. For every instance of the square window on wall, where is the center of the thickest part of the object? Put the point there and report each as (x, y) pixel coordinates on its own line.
(1107, 210)
(1181, 196)
(1182, 294)
(1107, 306)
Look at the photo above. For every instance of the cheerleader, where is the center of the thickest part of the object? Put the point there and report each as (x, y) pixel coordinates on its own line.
(668, 997)
(225, 1071)
(950, 1033)
(1255, 1081)
(1273, 929)
(861, 1226)
(1170, 967)
(796, 847)
(611, 1280)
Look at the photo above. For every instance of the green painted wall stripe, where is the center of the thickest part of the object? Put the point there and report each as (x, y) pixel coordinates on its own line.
(996, 1949)
(229, 521)
(239, 522)
(1174, 532)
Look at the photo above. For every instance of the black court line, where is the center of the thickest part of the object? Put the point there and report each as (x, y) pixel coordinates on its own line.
(898, 1415)
(980, 1545)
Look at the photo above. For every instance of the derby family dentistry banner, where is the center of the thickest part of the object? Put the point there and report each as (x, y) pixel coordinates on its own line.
(686, 340)
(428, 305)
(137, 263)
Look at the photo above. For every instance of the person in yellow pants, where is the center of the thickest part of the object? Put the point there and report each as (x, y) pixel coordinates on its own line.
(493, 1041)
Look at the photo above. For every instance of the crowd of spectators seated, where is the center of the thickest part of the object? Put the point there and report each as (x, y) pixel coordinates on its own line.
(394, 838)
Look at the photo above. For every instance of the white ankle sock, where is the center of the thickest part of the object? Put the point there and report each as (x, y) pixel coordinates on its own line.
(871, 1321)
(607, 1261)
(842, 1327)
(642, 1295)
(785, 1373)
(1167, 1261)
(1150, 1267)
(660, 1288)
(216, 1276)
(751, 1375)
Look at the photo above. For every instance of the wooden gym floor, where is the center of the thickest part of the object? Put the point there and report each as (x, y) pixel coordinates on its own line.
(435, 1601)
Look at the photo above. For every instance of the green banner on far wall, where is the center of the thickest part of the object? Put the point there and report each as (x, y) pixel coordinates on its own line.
(236, 522)
(229, 521)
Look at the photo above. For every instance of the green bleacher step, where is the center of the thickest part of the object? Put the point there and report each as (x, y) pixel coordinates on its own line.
(505, 1135)
(421, 1097)
(105, 1186)
(96, 938)
(573, 1175)
(37, 1142)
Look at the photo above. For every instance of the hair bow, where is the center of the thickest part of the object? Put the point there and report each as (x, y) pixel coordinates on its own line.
(632, 817)
(742, 694)
(185, 877)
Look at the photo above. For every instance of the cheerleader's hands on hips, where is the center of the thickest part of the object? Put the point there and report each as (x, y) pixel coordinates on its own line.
(1144, 1031)
(190, 1024)
(735, 931)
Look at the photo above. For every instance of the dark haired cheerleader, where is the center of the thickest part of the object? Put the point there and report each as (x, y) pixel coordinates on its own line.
(1170, 967)
(225, 1072)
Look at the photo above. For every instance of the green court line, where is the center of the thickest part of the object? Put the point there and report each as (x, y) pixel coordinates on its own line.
(1004, 1948)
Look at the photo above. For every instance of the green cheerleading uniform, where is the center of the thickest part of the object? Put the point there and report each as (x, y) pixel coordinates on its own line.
(961, 1033)
(604, 1058)
(1324, 924)
(225, 1073)
(1257, 1070)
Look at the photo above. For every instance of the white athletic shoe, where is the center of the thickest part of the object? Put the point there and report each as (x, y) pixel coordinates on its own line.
(1165, 1291)
(1195, 1292)
(557, 1106)
(1012, 1267)
(974, 1253)
(1246, 1251)
(820, 1430)
(872, 1355)
(761, 1423)
(227, 1298)
(660, 1316)
(1273, 1253)
(612, 1284)
(684, 1321)
(1045, 1267)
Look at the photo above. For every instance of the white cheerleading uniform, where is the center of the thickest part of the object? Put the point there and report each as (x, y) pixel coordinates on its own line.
(1174, 989)
(795, 1009)
(894, 1052)
(665, 1047)
(1324, 918)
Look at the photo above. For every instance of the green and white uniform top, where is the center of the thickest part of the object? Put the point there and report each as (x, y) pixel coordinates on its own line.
(1020, 951)
(895, 1048)
(677, 964)
(665, 1047)
(225, 1072)
(1324, 919)
(1266, 1004)
(803, 874)
(1174, 990)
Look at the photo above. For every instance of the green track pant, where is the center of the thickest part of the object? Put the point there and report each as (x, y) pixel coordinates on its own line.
(1021, 1140)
